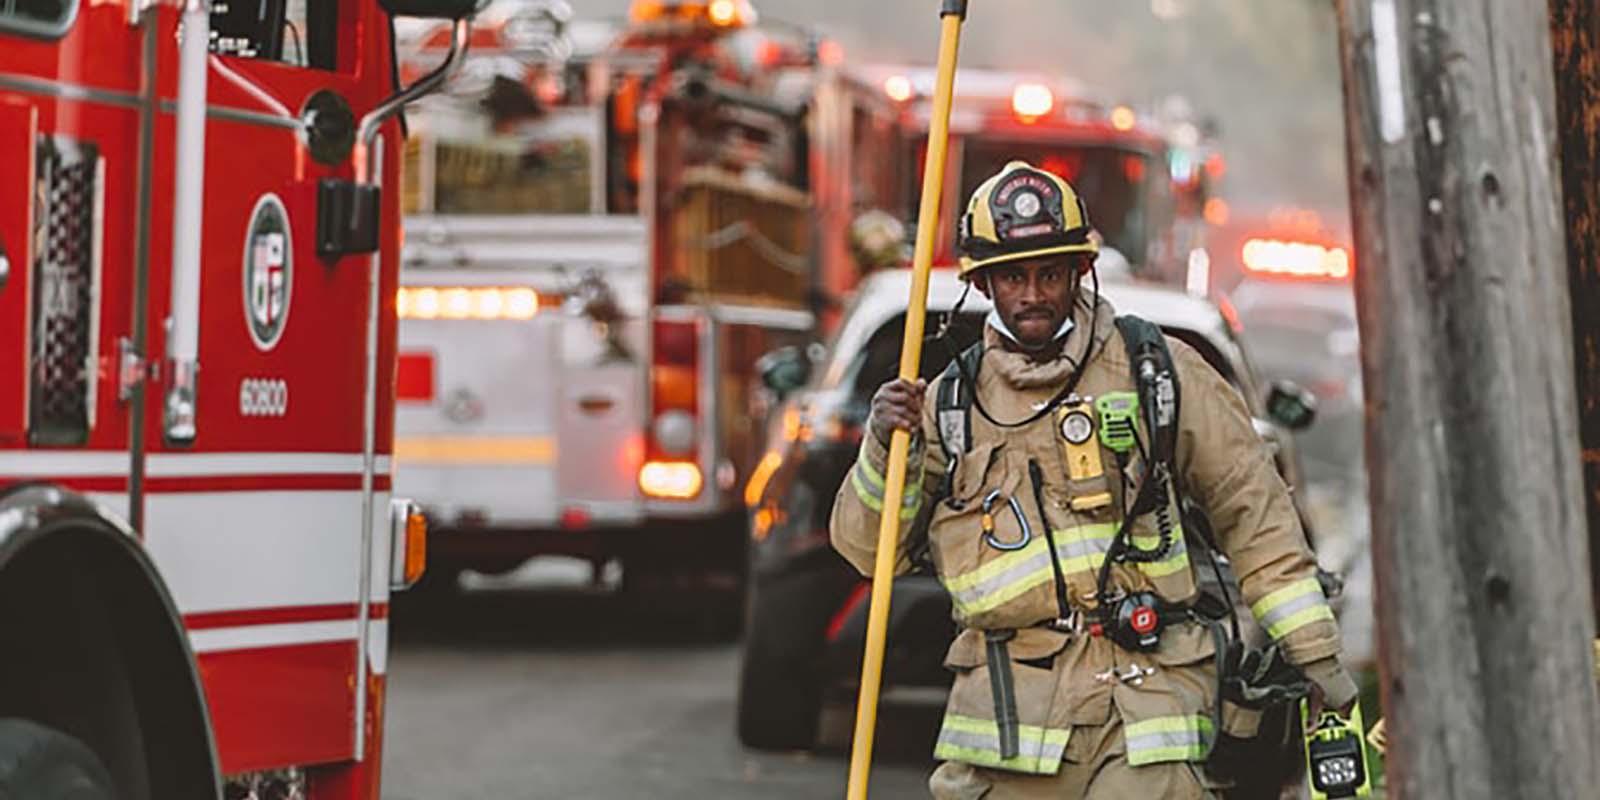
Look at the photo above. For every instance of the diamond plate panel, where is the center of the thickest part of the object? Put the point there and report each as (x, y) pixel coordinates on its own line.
(63, 302)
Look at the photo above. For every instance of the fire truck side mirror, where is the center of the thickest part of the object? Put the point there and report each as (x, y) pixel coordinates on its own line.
(784, 370)
(433, 9)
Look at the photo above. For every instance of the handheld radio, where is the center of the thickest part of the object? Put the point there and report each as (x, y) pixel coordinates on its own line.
(1119, 417)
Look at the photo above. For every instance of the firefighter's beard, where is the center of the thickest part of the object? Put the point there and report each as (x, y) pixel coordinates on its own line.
(1036, 347)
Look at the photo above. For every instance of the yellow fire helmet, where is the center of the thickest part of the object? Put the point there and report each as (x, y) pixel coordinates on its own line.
(1022, 212)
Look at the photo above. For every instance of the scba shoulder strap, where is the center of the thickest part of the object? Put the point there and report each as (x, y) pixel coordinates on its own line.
(1150, 362)
(957, 385)
(1147, 350)
(953, 404)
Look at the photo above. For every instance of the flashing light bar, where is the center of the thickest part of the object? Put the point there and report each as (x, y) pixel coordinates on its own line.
(717, 13)
(1296, 259)
(460, 302)
(1030, 101)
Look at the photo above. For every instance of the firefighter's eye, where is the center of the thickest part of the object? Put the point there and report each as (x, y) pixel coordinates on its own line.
(1052, 274)
(1010, 275)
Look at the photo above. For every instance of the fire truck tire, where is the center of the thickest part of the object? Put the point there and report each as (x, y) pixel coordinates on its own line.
(438, 580)
(41, 763)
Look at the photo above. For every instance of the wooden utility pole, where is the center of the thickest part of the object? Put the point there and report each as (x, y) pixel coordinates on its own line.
(1575, 37)
(1479, 541)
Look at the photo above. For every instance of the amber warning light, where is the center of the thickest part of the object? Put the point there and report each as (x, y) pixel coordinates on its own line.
(724, 14)
(462, 302)
(1296, 259)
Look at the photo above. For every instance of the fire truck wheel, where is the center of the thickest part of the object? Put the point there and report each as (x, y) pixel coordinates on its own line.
(780, 682)
(45, 764)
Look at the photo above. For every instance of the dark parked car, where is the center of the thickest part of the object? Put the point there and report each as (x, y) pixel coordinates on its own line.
(808, 607)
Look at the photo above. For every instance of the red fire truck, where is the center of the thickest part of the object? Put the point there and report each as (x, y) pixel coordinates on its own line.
(1142, 173)
(609, 225)
(197, 533)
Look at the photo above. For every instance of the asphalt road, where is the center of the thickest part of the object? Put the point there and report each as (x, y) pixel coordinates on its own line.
(540, 686)
(543, 692)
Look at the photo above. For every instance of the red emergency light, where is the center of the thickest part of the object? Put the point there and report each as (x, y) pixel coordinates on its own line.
(1291, 259)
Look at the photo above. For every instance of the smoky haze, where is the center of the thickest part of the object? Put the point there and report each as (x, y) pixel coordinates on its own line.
(1266, 70)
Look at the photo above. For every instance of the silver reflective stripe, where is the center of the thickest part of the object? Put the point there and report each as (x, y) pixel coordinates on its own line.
(1292, 607)
(1183, 738)
(1000, 580)
(977, 741)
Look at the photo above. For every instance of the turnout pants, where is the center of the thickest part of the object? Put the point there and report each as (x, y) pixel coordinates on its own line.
(1095, 768)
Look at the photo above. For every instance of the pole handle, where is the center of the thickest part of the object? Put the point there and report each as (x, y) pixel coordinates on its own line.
(887, 555)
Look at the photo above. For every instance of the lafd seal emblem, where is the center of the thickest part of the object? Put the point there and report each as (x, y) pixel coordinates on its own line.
(268, 272)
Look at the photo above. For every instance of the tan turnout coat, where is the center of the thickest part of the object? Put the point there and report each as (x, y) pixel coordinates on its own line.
(1063, 679)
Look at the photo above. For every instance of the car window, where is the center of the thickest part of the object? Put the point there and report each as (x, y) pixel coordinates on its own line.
(300, 33)
(1208, 352)
(879, 362)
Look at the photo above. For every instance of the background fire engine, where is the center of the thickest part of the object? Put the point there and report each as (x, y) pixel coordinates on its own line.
(197, 538)
(607, 227)
(1149, 173)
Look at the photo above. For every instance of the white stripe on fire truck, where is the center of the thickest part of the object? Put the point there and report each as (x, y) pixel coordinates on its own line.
(56, 463)
(229, 550)
(217, 640)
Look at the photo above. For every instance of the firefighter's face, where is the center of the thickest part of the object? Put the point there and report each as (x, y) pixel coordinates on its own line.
(1033, 296)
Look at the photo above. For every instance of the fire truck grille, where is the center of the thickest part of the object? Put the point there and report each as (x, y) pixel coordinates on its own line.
(64, 219)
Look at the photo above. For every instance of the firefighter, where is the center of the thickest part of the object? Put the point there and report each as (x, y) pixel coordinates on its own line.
(877, 241)
(1081, 675)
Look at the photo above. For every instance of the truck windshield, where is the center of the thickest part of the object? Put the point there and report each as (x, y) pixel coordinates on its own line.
(471, 161)
(37, 17)
(1111, 180)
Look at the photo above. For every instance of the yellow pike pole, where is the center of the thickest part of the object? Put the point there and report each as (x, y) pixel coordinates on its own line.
(951, 14)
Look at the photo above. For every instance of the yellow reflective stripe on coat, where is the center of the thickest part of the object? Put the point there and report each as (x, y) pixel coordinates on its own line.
(1291, 608)
(1001, 580)
(870, 474)
(1079, 549)
(1083, 548)
(869, 485)
(910, 502)
(1010, 575)
(1176, 560)
(1159, 739)
(971, 740)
